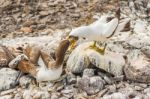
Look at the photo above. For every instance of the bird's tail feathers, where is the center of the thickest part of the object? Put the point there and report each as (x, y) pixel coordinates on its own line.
(111, 27)
(123, 24)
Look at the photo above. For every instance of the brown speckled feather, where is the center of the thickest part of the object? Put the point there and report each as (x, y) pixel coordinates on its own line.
(33, 53)
(61, 50)
(5, 56)
(27, 67)
(47, 59)
(60, 53)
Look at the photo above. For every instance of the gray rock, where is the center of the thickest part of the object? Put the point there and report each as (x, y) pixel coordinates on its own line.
(138, 88)
(77, 62)
(69, 91)
(55, 95)
(13, 63)
(43, 13)
(25, 81)
(140, 26)
(112, 89)
(134, 54)
(41, 27)
(138, 69)
(10, 91)
(35, 93)
(136, 95)
(5, 56)
(91, 85)
(126, 89)
(7, 97)
(8, 78)
(71, 78)
(4, 3)
(82, 56)
(107, 79)
(146, 51)
(140, 37)
(45, 95)
(88, 73)
(63, 98)
(18, 96)
(147, 90)
(117, 95)
(58, 86)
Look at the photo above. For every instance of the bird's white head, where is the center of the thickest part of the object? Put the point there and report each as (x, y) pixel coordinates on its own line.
(80, 32)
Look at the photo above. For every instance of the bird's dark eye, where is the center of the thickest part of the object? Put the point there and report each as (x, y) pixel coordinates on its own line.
(84, 38)
(20, 48)
(76, 38)
(109, 19)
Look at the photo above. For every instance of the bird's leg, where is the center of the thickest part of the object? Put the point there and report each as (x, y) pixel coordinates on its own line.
(103, 50)
(94, 45)
(98, 49)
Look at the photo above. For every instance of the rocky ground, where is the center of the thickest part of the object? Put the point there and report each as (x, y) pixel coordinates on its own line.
(37, 15)
(46, 22)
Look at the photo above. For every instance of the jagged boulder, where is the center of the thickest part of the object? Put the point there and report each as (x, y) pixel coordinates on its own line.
(138, 67)
(83, 56)
(8, 78)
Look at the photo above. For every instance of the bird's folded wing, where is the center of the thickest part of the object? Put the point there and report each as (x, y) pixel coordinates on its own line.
(110, 27)
(33, 53)
(46, 58)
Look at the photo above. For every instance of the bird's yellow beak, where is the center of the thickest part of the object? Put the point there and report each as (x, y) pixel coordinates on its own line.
(72, 41)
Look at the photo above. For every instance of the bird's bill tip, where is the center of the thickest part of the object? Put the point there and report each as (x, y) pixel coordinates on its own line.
(72, 40)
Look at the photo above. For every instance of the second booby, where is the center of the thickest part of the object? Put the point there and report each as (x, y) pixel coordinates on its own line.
(100, 30)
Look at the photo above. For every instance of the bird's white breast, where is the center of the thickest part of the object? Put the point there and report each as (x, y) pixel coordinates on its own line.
(96, 33)
(45, 74)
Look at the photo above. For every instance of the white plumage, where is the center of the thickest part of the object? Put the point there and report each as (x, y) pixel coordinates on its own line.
(100, 30)
(46, 74)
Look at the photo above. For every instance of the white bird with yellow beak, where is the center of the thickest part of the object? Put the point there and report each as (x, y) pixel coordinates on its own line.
(100, 30)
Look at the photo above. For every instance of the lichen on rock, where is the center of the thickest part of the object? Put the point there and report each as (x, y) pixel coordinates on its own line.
(83, 56)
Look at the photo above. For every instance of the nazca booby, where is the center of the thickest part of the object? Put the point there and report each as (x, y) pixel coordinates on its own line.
(100, 30)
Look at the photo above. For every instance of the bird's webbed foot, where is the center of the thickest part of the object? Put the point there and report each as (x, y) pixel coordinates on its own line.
(99, 49)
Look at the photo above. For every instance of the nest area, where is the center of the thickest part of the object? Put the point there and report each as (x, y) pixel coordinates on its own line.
(47, 22)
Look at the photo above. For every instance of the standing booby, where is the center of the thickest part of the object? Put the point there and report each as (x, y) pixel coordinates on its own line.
(100, 30)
